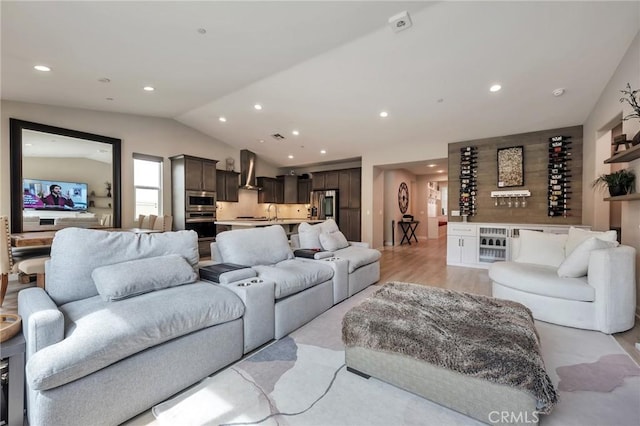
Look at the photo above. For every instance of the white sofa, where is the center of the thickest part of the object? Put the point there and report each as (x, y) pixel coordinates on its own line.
(578, 279)
(363, 267)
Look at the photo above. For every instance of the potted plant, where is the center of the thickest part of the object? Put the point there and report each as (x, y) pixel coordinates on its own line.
(618, 183)
(631, 97)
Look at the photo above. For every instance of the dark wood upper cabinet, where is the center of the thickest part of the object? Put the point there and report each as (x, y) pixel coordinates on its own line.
(227, 185)
(304, 191)
(332, 179)
(290, 188)
(317, 182)
(349, 188)
(199, 174)
(268, 192)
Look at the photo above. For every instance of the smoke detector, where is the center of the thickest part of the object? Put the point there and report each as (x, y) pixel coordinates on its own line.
(558, 92)
(400, 22)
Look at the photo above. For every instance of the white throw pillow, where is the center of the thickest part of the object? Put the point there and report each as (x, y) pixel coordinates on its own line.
(332, 241)
(309, 235)
(541, 248)
(577, 236)
(577, 263)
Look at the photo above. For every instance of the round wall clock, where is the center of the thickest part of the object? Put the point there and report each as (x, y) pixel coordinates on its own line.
(403, 197)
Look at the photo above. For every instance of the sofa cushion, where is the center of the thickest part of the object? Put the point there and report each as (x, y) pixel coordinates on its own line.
(358, 256)
(577, 263)
(69, 279)
(99, 333)
(293, 276)
(309, 235)
(541, 248)
(255, 246)
(577, 236)
(542, 280)
(332, 241)
(128, 279)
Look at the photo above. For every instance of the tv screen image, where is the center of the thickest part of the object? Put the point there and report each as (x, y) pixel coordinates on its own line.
(54, 195)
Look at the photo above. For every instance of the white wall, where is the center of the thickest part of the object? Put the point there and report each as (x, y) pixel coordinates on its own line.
(606, 112)
(147, 135)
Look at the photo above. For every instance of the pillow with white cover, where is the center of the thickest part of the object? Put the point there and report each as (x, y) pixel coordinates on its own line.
(128, 279)
(577, 263)
(309, 235)
(577, 236)
(541, 248)
(332, 241)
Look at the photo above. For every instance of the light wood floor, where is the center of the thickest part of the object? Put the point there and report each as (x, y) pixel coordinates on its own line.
(423, 263)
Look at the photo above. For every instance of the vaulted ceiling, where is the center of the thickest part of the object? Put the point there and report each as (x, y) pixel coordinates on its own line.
(325, 69)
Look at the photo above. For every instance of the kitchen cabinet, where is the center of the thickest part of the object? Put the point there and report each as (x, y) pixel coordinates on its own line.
(349, 220)
(317, 183)
(227, 185)
(304, 191)
(493, 243)
(349, 188)
(290, 188)
(332, 179)
(268, 192)
(193, 173)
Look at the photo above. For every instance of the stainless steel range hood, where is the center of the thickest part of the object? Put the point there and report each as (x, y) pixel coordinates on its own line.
(248, 178)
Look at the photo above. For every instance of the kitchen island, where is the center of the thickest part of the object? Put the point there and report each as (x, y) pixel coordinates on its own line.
(290, 225)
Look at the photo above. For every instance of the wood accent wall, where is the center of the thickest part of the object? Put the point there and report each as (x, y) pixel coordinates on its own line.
(536, 160)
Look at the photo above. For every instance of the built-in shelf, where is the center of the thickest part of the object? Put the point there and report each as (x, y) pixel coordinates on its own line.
(625, 156)
(628, 197)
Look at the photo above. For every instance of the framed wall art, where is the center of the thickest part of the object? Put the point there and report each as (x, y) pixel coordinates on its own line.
(510, 166)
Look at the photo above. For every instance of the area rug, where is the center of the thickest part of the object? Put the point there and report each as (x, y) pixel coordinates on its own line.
(301, 380)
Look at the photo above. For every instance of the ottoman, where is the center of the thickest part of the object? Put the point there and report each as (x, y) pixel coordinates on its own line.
(474, 354)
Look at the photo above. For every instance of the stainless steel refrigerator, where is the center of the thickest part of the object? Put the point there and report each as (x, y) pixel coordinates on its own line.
(324, 205)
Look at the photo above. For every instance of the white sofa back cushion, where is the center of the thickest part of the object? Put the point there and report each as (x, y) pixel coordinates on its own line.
(577, 236)
(309, 235)
(332, 241)
(577, 263)
(541, 248)
(255, 246)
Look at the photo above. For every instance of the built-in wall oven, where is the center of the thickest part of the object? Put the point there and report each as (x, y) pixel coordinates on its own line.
(200, 201)
(203, 222)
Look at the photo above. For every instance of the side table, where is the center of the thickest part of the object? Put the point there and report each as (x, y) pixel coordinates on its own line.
(408, 231)
(14, 349)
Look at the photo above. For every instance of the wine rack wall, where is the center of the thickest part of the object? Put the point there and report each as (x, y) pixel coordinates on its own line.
(559, 176)
(468, 180)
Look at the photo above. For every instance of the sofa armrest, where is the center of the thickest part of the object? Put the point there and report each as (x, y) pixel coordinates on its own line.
(43, 323)
(613, 276)
(359, 244)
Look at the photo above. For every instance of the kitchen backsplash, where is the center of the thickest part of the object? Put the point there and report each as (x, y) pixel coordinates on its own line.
(248, 205)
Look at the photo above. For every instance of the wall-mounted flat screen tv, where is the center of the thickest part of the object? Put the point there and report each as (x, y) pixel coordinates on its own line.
(54, 195)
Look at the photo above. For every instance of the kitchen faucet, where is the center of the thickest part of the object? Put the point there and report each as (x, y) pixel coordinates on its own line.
(269, 212)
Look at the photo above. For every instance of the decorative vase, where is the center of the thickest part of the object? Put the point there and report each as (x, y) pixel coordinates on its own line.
(617, 190)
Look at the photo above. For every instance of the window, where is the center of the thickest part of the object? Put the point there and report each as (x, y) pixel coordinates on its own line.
(147, 182)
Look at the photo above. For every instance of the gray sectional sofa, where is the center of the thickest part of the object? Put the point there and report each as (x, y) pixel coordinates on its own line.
(121, 314)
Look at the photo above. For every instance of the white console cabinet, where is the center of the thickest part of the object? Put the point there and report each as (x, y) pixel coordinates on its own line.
(462, 244)
(478, 245)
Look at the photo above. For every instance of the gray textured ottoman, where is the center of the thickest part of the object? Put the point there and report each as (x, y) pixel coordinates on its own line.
(474, 354)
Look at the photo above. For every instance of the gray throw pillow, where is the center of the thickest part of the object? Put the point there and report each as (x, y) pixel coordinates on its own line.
(129, 279)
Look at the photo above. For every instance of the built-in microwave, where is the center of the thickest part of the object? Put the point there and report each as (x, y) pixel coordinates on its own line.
(200, 201)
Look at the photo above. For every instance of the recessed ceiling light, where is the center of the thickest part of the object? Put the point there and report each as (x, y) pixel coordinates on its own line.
(222, 119)
(440, 171)
(558, 92)
(290, 156)
(431, 165)
(28, 144)
(295, 133)
(43, 68)
(384, 114)
(149, 88)
(323, 151)
(258, 107)
(495, 88)
(261, 140)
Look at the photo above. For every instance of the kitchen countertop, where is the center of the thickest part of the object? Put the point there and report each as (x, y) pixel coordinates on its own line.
(248, 223)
